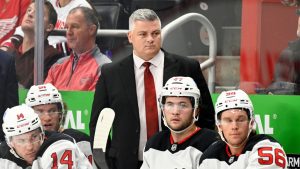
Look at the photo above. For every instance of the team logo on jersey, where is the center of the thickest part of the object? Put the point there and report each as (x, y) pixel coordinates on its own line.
(174, 147)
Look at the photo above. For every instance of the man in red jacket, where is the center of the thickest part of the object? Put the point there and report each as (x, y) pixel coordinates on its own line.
(81, 70)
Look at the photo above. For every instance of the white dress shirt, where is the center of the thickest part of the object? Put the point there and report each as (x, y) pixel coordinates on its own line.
(156, 68)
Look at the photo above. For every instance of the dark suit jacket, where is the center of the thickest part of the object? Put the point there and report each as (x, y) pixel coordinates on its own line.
(116, 89)
(8, 86)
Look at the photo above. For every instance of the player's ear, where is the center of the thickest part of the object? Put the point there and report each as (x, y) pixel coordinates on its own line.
(10, 143)
(219, 127)
(251, 124)
(197, 112)
(60, 116)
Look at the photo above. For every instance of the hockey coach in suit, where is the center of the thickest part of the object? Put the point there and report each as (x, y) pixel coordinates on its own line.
(121, 87)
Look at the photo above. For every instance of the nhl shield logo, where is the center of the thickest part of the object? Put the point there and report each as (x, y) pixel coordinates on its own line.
(231, 159)
(174, 147)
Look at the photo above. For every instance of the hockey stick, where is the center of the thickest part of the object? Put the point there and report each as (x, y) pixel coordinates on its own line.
(103, 127)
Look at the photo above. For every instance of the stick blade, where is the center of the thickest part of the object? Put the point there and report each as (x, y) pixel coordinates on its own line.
(104, 124)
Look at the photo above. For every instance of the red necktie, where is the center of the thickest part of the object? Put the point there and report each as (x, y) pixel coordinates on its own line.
(150, 102)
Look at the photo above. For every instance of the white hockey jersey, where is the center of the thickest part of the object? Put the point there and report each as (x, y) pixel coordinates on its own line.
(58, 151)
(261, 152)
(83, 142)
(162, 153)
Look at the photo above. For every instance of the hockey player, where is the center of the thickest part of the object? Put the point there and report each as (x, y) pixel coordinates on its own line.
(27, 146)
(241, 147)
(182, 145)
(48, 104)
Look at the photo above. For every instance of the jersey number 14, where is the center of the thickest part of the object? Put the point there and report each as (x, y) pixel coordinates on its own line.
(66, 159)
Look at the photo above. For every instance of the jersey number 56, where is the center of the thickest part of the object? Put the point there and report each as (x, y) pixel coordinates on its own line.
(268, 156)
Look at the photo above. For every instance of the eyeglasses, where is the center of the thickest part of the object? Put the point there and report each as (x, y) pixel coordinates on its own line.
(34, 138)
(49, 112)
(180, 106)
(239, 122)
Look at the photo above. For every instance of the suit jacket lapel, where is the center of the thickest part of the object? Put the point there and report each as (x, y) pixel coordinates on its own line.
(171, 67)
(128, 81)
